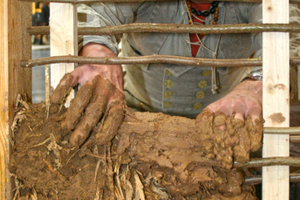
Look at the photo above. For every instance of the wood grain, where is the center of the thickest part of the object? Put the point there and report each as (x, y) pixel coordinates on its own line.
(3, 52)
(15, 45)
(63, 39)
(276, 99)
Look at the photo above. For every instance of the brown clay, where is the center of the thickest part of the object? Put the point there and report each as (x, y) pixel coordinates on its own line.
(63, 89)
(152, 154)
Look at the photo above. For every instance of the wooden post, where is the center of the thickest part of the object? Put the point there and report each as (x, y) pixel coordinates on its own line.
(63, 39)
(15, 45)
(276, 99)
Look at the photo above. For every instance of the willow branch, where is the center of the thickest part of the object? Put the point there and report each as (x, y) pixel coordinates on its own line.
(294, 139)
(259, 162)
(179, 60)
(282, 130)
(175, 28)
(254, 180)
(94, 1)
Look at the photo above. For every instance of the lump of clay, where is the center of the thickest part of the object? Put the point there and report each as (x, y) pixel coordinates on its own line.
(152, 156)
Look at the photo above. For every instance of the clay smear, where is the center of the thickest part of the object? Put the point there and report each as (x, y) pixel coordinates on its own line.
(152, 156)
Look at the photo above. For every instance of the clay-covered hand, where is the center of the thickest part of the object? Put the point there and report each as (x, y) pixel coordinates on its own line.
(234, 124)
(100, 97)
(243, 101)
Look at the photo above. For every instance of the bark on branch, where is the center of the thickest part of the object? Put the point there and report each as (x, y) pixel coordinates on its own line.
(178, 60)
(259, 162)
(254, 180)
(175, 28)
(282, 130)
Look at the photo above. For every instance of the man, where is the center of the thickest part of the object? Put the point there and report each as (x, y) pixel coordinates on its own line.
(173, 89)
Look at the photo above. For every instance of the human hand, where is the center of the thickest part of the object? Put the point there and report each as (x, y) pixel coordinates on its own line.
(234, 123)
(245, 100)
(100, 95)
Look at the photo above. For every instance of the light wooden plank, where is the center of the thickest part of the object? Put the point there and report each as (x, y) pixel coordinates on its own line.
(63, 39)
(276, 99)
(3, 60)
(15, 45)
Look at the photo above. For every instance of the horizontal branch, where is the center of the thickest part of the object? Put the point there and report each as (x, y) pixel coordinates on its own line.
(259, 162)
(282, 130)
(175, 28)
(179, 60)
(294, 139)
(254, 180)
(94, 1)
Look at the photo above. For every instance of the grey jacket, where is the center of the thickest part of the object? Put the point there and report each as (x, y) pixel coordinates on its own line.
(173, 89)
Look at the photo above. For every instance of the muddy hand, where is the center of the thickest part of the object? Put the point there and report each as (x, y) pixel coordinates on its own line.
(90, 103)
(101, 92)
(245, 100)
(223, 122)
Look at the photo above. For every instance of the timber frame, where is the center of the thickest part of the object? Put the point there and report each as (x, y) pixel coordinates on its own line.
(15, 48)
(15, 17)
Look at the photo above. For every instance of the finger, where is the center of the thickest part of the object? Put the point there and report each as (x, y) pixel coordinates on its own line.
(219, 123)
(239, 116)
(93, 112)
(256, 132)
(239, 112)
(237, 122)
(63, 89)
(111, 123)
(78, 104)
(238, 109)
(254, 111)
(117, 77)
(223, 105)
(204, 121)
(205, 116)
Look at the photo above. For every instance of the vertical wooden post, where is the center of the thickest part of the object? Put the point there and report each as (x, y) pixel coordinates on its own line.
(15, 45)
(63, 38)
(276, 99)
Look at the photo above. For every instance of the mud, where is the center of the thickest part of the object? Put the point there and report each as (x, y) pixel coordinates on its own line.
(152, 156)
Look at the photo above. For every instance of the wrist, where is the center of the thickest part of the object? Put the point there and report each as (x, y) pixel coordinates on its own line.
(254, 75)
(96, 50)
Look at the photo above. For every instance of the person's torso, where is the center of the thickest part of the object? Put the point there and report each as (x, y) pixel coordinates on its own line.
(182, 90)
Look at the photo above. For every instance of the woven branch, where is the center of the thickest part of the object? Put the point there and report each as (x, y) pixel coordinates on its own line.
(259, 162)
(179, 60)
(294, 139)
(254, 180)
(175, 28)
(282, 130)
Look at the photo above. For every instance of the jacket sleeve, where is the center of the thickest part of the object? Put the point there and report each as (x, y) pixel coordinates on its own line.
(101, 15)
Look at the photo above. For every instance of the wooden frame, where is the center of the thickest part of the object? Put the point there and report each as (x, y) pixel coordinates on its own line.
(63, 39)
(15, 17)
(276, 109)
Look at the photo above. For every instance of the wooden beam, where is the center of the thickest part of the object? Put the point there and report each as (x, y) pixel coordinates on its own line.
(15, 45)
(63, 39)
(276, 99)
(3, 86)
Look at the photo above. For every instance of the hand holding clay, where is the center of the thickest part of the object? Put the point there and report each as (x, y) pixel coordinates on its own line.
(243, 101)
(100, 96)
(234, 123)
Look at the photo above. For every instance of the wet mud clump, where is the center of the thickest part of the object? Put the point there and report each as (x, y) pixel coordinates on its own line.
(152, 156)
